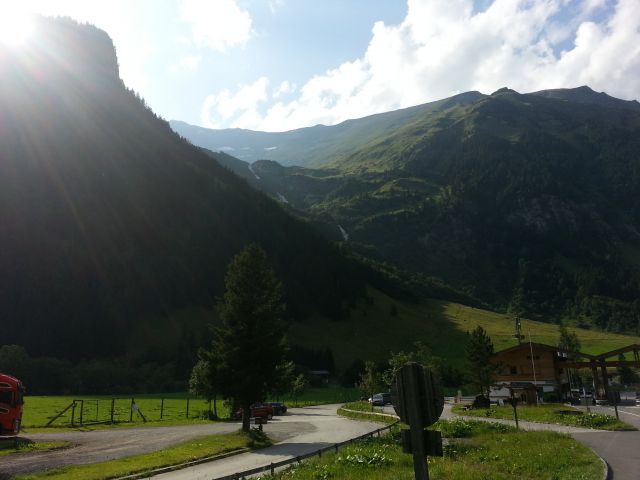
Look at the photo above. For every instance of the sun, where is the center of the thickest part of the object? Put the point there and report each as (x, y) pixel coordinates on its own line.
(15, 27)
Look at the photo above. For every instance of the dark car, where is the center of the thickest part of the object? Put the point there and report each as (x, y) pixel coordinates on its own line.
(278, 408)
(380, 399)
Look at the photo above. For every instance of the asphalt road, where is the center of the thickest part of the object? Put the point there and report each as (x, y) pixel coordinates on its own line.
(302, 429)
(322, 428)
(621, 450)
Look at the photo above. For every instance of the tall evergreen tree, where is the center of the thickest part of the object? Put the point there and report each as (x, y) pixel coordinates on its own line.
(479, 352)
(248, 350)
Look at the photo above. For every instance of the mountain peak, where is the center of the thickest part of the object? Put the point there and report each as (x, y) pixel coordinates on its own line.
(504, 90)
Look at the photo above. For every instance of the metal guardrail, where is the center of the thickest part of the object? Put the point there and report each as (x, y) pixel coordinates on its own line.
(271, 468)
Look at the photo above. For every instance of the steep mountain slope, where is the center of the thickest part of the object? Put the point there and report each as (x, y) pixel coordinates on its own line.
(108, 216)
(524, 201)
(311, 146)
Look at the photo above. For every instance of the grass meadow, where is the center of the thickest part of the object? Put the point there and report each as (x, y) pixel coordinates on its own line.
(371, 332)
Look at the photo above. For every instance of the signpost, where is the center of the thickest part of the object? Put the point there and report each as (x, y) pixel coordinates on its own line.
(419, 403)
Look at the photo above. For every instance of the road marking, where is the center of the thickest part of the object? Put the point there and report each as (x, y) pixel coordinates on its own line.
(624, 411)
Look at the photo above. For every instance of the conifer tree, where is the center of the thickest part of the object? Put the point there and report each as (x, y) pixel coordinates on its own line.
(248, 350)
(479, 352)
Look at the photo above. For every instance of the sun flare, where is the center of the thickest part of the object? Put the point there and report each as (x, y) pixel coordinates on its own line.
(15, 27)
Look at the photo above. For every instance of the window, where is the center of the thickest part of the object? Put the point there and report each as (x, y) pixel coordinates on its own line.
(6, 398)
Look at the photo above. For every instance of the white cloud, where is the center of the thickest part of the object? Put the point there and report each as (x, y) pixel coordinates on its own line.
(217, 24)
(225, 108)
(275, 5)
(284, 88)
(186, 63)
(442, 47)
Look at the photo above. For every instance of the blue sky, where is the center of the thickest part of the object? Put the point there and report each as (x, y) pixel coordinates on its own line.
(282, 64)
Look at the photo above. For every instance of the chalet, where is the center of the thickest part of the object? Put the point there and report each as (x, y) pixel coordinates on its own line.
(530, 370)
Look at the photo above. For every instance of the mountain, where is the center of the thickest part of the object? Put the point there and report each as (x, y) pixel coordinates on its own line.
(111, 223)
(311, 146)
(528, 202)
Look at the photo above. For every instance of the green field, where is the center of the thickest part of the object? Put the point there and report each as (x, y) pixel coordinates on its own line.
(371, 332)
(40, 409)
(549, 413)
(475, 451)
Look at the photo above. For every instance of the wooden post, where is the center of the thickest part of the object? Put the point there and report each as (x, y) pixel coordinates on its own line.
(131, 409)
(605, 379)
(161, 408)
(81, 412)
(187, 407)
(113, 405)
(73, 413)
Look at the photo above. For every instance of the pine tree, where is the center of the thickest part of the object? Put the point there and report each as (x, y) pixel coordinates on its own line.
(248, 350)
(479, 352)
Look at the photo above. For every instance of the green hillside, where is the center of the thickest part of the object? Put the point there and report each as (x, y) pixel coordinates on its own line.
(372, 332)
(523, 201)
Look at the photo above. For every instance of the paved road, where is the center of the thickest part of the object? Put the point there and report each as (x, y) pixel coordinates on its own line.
(323, 427)
(621, 450)
(306, 428)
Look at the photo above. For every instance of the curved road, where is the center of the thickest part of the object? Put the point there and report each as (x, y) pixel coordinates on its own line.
(326, 429)
(301, 430)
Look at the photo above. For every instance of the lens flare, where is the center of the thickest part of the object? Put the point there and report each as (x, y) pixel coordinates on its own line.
(15, 27)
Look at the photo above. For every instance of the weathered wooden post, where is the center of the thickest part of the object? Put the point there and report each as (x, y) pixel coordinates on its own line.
(133, 402)
(187, 416)
(514, 404)
(161, 408)
(113, 405)
(419, 403)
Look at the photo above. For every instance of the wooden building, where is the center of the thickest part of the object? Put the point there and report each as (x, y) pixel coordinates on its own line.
(530, 369)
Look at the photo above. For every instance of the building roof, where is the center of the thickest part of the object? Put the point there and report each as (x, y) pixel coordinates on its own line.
(541, 346)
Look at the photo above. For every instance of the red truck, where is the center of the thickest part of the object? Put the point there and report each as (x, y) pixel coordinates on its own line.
(11, 402)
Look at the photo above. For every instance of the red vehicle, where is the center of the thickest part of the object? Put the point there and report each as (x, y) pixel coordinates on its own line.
(258, 410)
(11, 401)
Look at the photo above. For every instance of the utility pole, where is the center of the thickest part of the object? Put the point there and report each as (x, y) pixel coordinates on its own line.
(533, 366)
(518, 328)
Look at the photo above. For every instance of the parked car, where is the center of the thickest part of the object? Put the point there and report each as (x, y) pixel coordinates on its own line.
(380, 399)
(278, 408)
(258, 410)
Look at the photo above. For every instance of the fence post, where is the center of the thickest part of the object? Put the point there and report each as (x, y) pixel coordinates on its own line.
(131, 409)
(272, 469)
(73, 413)
(97, 407)
(187, 407)
(161, 408)
(81, 411)
(113, 405)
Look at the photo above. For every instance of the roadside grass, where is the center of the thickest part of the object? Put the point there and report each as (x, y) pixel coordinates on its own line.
(22, 445)
(549, 413)
(472, 452)
(97, 408)
(364, 412)
(191, 450)
(371, 332)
